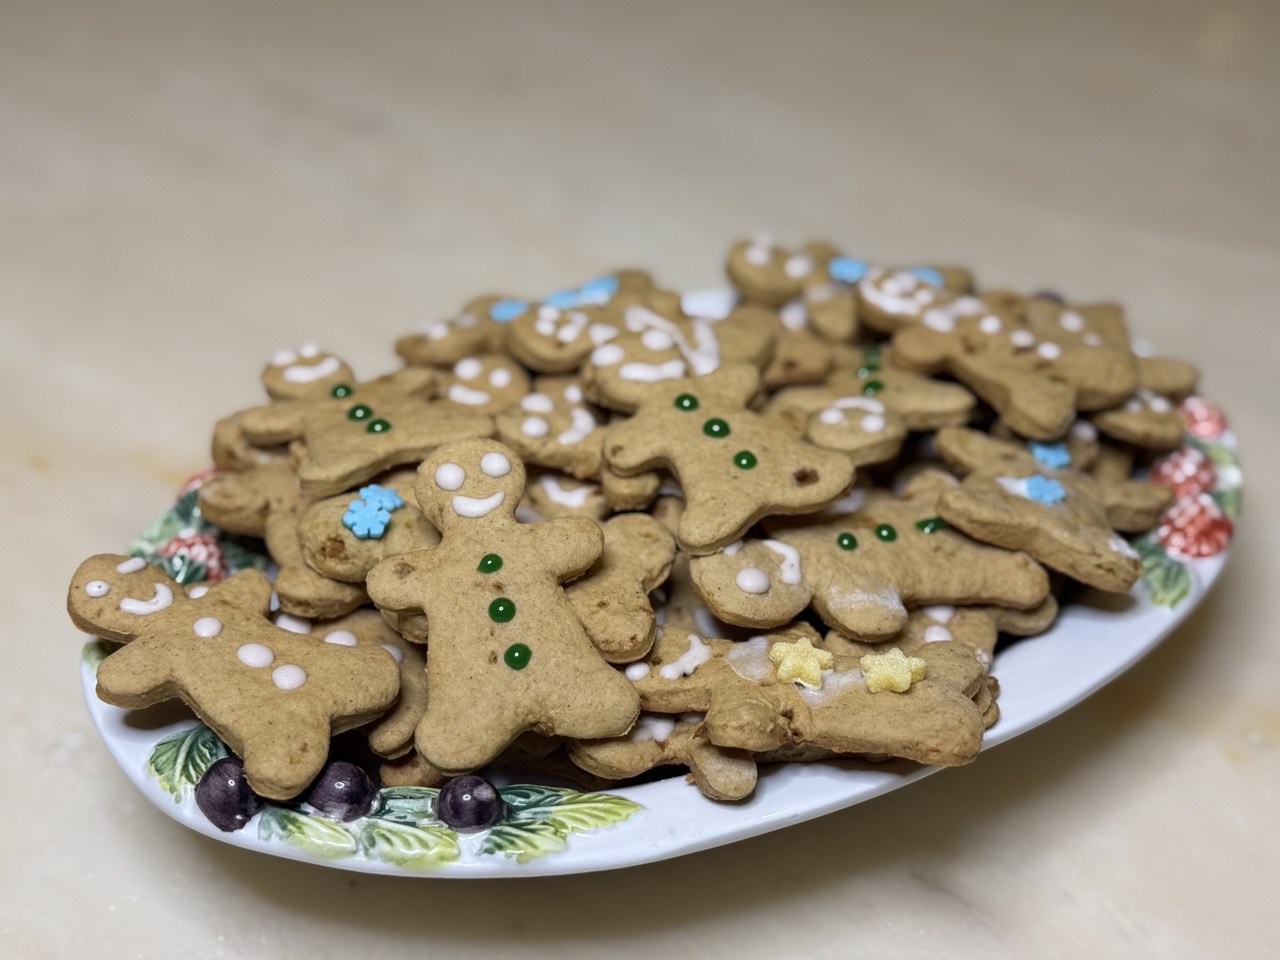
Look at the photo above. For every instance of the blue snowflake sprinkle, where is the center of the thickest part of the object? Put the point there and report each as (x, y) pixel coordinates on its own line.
(927, 275)
(1052, 455)
(504, 311)
(380, 496)
(1044, 489)
(846, 269)
(564, 299)
(366, 520)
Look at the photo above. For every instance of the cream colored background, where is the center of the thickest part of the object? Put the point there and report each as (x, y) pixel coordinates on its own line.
(185, 186)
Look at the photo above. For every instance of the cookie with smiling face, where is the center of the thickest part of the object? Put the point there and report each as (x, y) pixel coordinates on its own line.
(507, 654)
(555, 427)
(273, 696)
(486, 383)
(734, 465)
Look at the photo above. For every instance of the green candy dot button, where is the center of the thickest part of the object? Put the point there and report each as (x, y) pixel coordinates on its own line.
(930, 524)
(886, 533)
(361, 411)
(502, 610)
(847, 541)
(378, 426)
(715, 427)
(341, 390)
(490, 563)
(744, 459)
(517, 656)
(871, 388)
(686, 401)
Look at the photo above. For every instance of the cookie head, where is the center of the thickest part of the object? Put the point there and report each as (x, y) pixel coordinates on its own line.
(469, 481)
(305, 372)
(486, 383)
(110, 595)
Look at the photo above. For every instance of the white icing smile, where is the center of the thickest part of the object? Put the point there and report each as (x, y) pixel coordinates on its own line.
(162, 598)
(310, 372)
(475, 506)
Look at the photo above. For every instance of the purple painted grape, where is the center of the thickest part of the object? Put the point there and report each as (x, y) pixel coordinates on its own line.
(342, 791)
(469, 803)
(224, 796)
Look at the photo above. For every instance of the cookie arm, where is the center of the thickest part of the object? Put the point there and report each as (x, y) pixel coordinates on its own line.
(398, 583)
(273, 424)
(568, 546)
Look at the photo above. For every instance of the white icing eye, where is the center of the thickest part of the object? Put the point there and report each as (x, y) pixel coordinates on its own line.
(757, 254)
(798, 266)
(288, 676)
(198, 591)
(536, 403)
(309, 350)
(657, 340)
(494, 464)
(255, 655)
(1050, 351)
(207, 627)
(794, 316)
(97, 588)
(548, 313)
(438, 330)
(535, 427)
(1022, 339)
(872, 423)
(343, 638)
(990, 324)
(499, 377)
(468, 368)
(573, 393)
(607, 355)
(282, 358)
(752, 580)
(1071, 320)
(450, 476)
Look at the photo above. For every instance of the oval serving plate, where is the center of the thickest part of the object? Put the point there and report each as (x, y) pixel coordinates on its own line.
(548, 831)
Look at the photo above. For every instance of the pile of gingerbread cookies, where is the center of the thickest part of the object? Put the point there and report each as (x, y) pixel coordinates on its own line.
(592, 536)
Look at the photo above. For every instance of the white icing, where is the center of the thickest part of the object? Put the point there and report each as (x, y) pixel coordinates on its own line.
(789, 567)
(132, 565)
(460, 393)
(468, 368)
(394, 652)
(990, 324)
(573, 393)
(939, 319)
(636, 671)
(730, 549)
(1050, 351)
(499, 377)
(284, 357)
(198, 591)
(657, 340)
(886, 598)
(607, 355)
(535, 427)
(601, 333)
(984, 658)
(794, 316)
(450, 476)
(936, 633)
(526, 514)
(873, 423)
(207, 627)
(475, 507)
(291, 623)
(255, 655)
(652, 372)
(573, 498)
(750, 659)
(162, 598)
(343, 638)
(833, 413)
(940, 612)
(798, 266)
(288, 676)
(438, 330)
(97, 588)
(274, 603)
(1084, 430)
(652, 726)
(752, 580)
(757, 254)
(703, 355)
(311, 372)
(831, 684)
(851, 502)
(537, 403)
(572, 329)
(1015, 485)
(1133, 405)
(309, 350)
(548, 313)
(1022, 339)
(1071, 321)
(697, 654)
(1122, 547)
(706, 622)
(583, 424)
(495, 464)
(897, 293)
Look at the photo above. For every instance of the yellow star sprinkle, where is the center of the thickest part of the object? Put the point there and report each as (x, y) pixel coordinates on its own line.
(891, 671)
(801, 661)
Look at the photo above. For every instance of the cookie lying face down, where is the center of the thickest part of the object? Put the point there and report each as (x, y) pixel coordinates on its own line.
(507, 653)
(275, 697)
(863, 569)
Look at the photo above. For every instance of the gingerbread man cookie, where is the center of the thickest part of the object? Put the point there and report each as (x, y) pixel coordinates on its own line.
(479, 327)
(484, 383)
(555, 427)
(507, 653)
(273, 696)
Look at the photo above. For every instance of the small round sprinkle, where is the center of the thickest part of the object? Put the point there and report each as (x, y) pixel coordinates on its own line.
(341, 390)
(377, 426)
(361, 411)
(686, 401)
(744, 460)
(502, 610)
(715, 427)
(846, 541)
(886, 533)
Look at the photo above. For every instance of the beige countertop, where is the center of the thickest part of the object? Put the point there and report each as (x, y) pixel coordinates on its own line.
(184, 186)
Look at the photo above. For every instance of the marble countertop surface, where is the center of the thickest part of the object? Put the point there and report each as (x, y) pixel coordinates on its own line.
(186, 185)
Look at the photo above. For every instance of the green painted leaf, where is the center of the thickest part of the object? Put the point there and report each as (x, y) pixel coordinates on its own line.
(524, 795)
(97, 650)
(1219, 454)
(580, 812)
(1168, 581)
(415, 848)
(1229, 501)
(180, 759)
(316, 835)
(406, 804)
(524, 840)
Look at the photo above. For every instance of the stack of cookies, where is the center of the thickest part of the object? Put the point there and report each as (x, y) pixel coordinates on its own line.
(594, 535)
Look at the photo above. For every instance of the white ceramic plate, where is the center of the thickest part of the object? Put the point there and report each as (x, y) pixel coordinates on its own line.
(1093, 641)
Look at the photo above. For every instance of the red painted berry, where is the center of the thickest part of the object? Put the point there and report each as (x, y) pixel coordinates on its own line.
(1186, 472)
(1195, 527)
(1204, 418)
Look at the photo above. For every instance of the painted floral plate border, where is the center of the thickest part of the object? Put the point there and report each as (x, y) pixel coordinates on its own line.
(552, 831)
